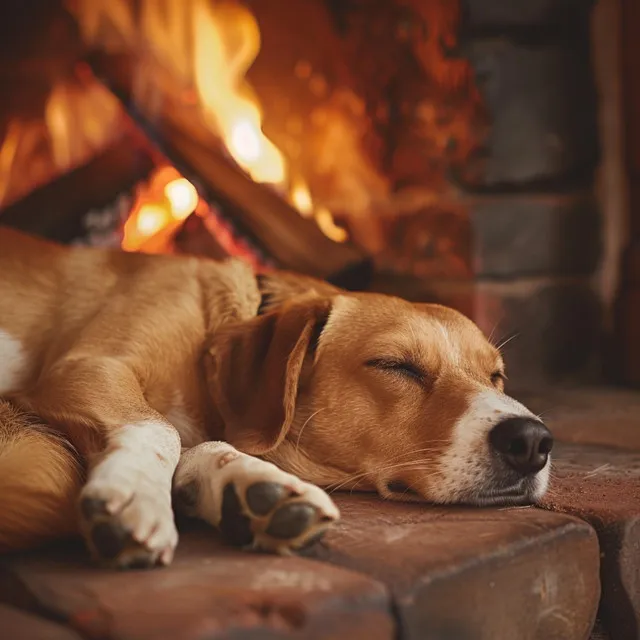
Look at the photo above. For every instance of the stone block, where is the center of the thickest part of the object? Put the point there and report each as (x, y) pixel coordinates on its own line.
(535, 235)
(19, 625)
(542, 106)
(604, 416)
(502, 236)
(473, 573)
(602, 486)
(388, 570)
(209, 592)
(523, 13)
(550, 330)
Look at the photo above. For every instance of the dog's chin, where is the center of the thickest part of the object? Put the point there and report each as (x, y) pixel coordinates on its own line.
(504, 499)
(500, 489)
(526, 491)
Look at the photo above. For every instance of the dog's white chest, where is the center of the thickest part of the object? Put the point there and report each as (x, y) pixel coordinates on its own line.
(13, 363)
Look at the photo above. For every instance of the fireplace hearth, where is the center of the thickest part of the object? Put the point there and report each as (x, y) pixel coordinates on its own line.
(439, 150)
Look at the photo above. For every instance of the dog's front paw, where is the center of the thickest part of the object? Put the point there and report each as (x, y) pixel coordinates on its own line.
(128, 529)
(252, 502)
(273, 515)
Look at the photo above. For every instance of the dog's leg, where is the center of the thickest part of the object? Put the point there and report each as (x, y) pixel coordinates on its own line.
(252, 502)
(125, 506)
(131, 452)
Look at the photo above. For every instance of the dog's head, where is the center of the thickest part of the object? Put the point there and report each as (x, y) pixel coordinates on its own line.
(370, 392)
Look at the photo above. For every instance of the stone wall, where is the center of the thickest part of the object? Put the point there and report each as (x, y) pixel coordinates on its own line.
(525, 196)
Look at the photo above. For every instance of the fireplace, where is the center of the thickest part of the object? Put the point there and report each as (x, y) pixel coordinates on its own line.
(439, 150)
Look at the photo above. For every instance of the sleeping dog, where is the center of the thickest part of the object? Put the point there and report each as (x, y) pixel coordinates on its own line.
(132, 385)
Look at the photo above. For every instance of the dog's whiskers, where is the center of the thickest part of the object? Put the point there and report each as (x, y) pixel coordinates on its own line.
(414, 451)
(505, 342)
(417, 465)
(306, 422)
(491, 335)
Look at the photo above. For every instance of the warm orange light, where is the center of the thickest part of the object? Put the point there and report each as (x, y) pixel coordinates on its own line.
(182, 197)
(329, 227)
(301, 198)
(151, 218)
(212, 45)
(226, 42)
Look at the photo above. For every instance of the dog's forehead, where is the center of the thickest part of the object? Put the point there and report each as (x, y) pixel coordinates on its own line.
(416, 327)
(453, 336)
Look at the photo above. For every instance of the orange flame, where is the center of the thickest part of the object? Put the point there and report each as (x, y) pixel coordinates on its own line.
(226, 42)
(80, 118)
(214, 44)
(160, 206)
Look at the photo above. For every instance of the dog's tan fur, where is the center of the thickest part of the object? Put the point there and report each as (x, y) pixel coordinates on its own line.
(40, 478)
(108, 339)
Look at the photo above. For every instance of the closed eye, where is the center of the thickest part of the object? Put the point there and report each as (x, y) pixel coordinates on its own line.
(498, 378)
(402, 367)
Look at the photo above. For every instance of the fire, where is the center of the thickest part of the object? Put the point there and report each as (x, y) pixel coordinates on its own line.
(79, 118)
(182, 198)
(163, 204)
(160, 206)
(214, 45)
(301, 198)
(329, 227)
(150, 219)
(226, 42)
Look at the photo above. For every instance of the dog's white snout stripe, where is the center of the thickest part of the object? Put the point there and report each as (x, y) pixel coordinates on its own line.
(466, 463)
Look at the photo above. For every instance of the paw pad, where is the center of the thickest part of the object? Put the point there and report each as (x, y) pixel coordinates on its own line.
(140, 534)
(234, 524)
(291, 520)
(109, 539)
(263, 497)
(269, 517)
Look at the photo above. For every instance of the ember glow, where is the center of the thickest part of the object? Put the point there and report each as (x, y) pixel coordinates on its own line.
(209, 46)
(160, 206)
(182, 198)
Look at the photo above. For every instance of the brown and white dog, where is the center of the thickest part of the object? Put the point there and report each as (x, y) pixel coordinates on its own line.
(128, 378)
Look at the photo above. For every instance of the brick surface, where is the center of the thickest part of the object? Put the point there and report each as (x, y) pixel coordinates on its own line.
(602, 486)
(590, 415)
(535, 235)
(209, 592)
(473, 573)
(521, 573)
(523, 13)
(18, 625)
(541, 103)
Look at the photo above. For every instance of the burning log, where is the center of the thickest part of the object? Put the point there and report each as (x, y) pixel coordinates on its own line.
(261, 213)
(57, 209)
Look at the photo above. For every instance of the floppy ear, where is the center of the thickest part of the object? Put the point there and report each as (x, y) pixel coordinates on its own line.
(254, 369)
(280, 287)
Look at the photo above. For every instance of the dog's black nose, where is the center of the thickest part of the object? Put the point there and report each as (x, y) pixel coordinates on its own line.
(524, 443)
